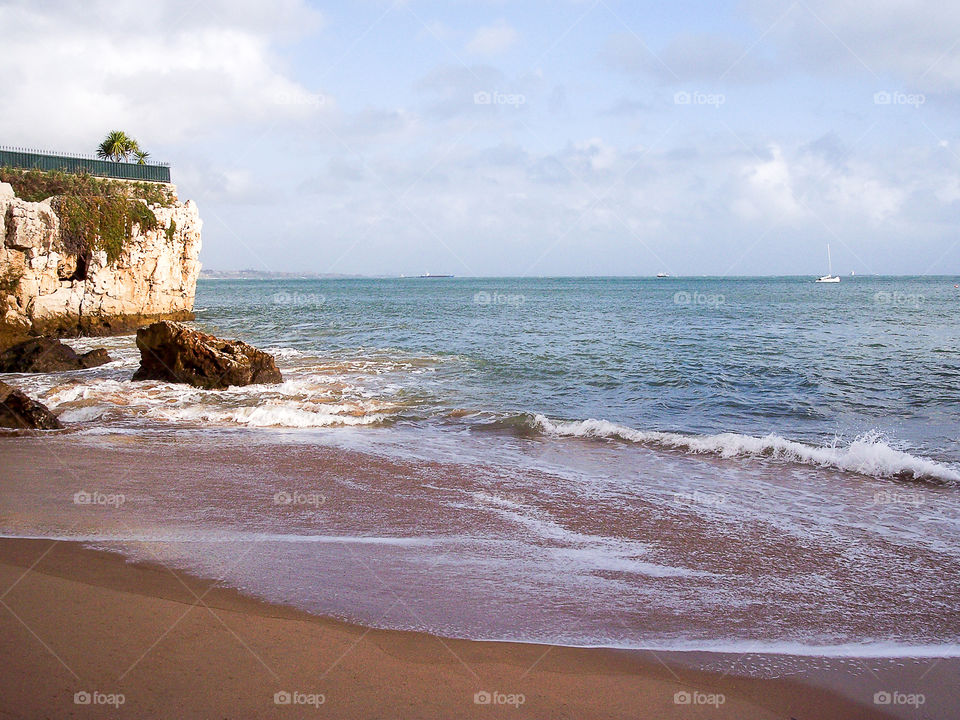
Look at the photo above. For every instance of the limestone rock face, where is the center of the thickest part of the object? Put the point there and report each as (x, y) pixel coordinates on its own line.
(43, 291)
(174, 353)
(48, 354)
(22, 413)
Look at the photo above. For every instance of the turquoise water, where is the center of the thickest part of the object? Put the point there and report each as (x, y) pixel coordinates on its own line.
(809, 362)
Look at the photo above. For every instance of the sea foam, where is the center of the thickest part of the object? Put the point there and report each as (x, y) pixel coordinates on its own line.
(268, 416)
(868, 454)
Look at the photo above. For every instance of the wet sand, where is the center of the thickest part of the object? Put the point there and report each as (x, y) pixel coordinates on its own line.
(74, 620)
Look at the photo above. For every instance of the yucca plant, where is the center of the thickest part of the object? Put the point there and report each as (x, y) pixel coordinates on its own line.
(117, 146)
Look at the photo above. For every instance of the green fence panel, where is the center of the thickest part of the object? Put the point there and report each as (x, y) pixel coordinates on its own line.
(37, 160)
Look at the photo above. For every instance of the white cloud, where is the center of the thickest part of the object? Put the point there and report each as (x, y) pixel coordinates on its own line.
(807, 186)
(596, 154)
(418, 172)
(163, 70)
(768, 189)
(493, 39)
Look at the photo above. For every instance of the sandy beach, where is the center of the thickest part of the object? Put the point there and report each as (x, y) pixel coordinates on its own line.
(454, 360)
(82, 621)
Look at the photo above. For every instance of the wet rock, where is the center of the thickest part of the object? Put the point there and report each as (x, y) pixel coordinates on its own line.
(172, 352)
(45, 354)
(23, 413)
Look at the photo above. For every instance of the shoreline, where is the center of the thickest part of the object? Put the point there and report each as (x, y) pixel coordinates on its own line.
(77, 619)
(745, 648)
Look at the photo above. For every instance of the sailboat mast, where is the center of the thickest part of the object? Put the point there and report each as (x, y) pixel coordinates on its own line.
(829, 261)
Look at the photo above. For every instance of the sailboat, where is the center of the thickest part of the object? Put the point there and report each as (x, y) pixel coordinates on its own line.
(829, 277)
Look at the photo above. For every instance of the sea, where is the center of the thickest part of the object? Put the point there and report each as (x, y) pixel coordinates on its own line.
(722, 464)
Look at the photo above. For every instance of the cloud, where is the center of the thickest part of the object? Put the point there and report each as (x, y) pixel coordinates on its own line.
(424, 163)
(477, 91)
(627, 107)
(913, 40)
(163, 70)
(492, 39)
(703, 57)
(508, 208)
(768, 189)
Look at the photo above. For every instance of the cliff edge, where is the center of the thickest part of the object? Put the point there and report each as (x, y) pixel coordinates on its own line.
(51, 286)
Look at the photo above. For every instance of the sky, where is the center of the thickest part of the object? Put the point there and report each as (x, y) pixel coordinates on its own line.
(488, 138)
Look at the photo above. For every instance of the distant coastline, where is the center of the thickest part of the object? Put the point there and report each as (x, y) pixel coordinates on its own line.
(268, 275)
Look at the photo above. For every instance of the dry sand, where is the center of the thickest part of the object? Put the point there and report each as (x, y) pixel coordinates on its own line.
(74, 620)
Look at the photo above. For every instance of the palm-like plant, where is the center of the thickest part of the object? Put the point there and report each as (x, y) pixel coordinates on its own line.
(141, 155)
(118, 146)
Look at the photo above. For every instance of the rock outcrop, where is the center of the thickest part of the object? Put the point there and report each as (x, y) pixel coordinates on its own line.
(174, 353)
(22, 413)
(44, 290)
(46, 354)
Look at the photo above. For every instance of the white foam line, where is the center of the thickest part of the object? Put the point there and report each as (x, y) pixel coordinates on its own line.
(866, 455)
(746, 648)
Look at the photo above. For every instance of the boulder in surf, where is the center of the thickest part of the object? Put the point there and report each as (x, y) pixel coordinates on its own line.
(21, 412)
(173, 352)
(47, 354)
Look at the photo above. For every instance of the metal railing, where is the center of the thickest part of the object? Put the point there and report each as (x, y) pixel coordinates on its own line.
(30, 159)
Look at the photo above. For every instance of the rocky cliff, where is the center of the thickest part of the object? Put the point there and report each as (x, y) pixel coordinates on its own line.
(44, 289)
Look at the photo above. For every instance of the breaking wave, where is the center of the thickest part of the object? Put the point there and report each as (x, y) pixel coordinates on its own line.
(271, 416)
(868, 454)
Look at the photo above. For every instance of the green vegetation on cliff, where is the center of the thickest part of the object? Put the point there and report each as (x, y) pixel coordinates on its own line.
(118, 146)
(95, 213)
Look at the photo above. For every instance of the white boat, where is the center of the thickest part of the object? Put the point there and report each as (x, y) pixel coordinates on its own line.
(662, 275)
(829, 277)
